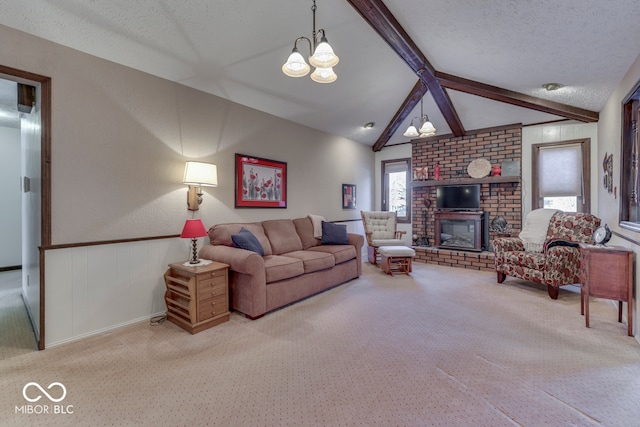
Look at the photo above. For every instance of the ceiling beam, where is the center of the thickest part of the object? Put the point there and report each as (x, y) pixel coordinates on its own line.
(387, 26)
(414, 97)
(515, 98)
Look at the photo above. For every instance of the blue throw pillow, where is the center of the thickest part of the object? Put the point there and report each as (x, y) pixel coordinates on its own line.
(334, 234)
(245, 239)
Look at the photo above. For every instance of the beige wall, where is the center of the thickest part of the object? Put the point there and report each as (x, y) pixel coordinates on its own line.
(120, 138)
(610, 137)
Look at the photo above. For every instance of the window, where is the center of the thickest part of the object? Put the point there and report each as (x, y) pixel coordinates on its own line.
(629, 181)
(561, 176)
(395, 182)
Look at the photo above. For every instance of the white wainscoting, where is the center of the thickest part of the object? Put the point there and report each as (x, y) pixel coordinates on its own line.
(92, 289)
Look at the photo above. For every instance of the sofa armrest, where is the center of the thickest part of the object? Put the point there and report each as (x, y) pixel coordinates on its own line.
(240, 260)
(247, 280)
(508, 244)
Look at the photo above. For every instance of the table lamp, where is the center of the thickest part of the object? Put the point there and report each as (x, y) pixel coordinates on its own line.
(194, 228)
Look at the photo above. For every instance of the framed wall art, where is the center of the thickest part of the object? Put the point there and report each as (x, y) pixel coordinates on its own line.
(348, 196)
(260, 183)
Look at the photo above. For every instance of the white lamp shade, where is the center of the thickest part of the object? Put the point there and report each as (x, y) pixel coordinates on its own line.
(324, 75)
(200, 174)
(427, 129)
(411, 131)
(323, 57)
(296, 66)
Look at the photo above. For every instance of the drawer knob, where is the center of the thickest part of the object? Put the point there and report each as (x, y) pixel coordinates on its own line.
(213, 293)
(213, 304)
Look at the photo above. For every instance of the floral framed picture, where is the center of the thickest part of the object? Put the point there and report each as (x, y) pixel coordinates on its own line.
(348, 196)
(260, 183)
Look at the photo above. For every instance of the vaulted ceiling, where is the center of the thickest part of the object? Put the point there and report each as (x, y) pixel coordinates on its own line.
(478, 64)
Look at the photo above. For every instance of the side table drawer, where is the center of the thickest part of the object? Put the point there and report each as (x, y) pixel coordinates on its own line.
(212, 307)
(212, 288)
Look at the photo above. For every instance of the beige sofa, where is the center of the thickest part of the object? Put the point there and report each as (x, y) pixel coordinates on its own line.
(295, 264)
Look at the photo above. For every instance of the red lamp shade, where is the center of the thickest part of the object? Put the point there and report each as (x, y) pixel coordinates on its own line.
(193, 228)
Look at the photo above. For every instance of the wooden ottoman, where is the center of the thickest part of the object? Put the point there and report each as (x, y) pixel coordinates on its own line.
(396, 259)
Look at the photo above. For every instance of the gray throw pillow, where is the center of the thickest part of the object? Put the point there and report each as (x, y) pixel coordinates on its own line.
(334, 234)
(245, 239)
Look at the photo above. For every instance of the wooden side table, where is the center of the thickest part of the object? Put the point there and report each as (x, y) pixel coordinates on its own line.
(607, 272)
(197, 297)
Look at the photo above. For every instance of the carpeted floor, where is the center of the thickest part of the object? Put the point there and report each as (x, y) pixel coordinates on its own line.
(16, 333)
(444, 347)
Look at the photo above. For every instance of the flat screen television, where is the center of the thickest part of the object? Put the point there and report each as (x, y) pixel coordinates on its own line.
(458, 197)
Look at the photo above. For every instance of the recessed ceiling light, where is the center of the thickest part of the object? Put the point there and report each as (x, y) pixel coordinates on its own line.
(552, 86)
(369, 125)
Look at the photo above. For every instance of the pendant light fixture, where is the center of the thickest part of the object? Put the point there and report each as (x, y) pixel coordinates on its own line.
(322, 58)
(426, 127)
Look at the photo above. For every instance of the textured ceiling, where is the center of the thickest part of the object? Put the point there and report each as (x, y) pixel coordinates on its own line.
(235, 49)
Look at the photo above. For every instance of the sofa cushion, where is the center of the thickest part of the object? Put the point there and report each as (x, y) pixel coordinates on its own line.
(244, 239)
(313, 261)
(278, 267)
(334, 234)
(220, 234)
(341, 253)
(282, 236)
(304, 227)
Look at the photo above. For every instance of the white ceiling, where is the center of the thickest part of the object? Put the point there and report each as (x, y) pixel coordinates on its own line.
(235, 49)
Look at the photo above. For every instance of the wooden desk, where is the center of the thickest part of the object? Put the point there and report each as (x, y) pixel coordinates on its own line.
(607, 272)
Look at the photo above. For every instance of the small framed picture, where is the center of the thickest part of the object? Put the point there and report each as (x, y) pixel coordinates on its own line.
(348, 196)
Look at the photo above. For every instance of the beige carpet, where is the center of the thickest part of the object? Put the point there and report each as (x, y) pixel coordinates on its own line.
(16, 334)
(445, 347)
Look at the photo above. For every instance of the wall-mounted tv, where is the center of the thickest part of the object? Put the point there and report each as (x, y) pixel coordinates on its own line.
(458, 197)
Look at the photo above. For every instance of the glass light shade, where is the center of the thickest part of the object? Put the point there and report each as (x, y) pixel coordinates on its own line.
(323, 57)
(200, 174)
(296, 66)
(324, 75)
(193, 228)
(427, 129)
(411, 131)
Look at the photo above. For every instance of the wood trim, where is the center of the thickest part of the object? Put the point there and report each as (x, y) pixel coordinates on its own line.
(409, 103)
(585, 151)
(515, 98)
(107, 242)
(628, 239)
(45, 171)
(387, 26)
(486, 180)
(469, 133)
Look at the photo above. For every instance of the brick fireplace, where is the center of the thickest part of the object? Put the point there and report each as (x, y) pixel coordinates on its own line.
(500, 196)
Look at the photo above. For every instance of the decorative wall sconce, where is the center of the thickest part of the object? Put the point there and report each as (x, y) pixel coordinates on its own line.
(193, 228)
(196, 176)
(322, 57)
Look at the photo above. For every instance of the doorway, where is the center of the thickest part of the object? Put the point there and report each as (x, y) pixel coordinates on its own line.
(35, 187)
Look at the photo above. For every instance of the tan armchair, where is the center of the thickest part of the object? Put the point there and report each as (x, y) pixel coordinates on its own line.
(380, 228)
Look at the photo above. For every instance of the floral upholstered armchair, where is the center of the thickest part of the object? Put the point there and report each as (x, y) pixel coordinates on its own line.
(550, 258)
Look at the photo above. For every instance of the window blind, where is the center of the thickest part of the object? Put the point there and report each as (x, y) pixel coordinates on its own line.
(560, 171)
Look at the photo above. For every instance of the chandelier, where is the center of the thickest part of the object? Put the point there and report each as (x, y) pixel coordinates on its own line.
(426, 127)
(322, 58)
